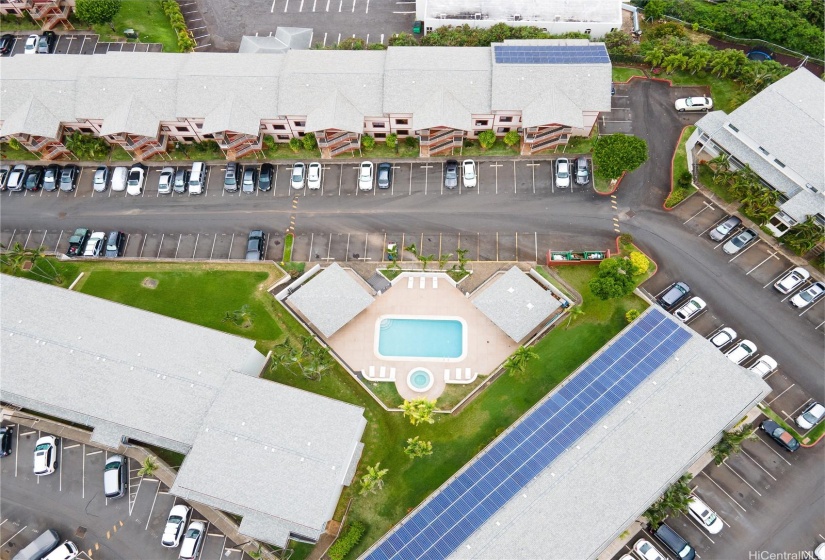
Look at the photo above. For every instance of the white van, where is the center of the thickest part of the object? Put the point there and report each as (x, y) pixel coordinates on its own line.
(197, 178)
(39, 547)
(119, 179)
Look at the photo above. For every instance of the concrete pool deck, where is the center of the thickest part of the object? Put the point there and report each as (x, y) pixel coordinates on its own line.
(487, 345)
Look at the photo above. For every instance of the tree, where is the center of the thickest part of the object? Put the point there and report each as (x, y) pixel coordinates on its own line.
(486, 139)
(675, 500)
(37, 256)
(615, 154)
(309, 141)
(96, 11)
(87, 147)
(367, 142)
(573, 313)
(416, 448)
(655, 57)
(425, 260)
(612, 280)
(392, 140)
(632, 315)
(639, 262)
(373, 480)
(462, 260)
(419, 410)
(148, 467)
(295, 144)
(512, 138)
(675, 62)
(699, 60)
(412, 249)
(442, 260)
(731, 443)
(403, 40)
(516, 364)
(804, 236)
(654, 10)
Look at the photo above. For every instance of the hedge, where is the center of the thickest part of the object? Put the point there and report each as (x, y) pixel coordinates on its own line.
(172, 10)
(345, 543)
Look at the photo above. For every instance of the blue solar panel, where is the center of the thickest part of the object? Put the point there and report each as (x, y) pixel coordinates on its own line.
(470, 499)
(551, 54)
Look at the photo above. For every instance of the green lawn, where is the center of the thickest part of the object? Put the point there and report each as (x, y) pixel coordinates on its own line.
(581, 144)
(67, 270)
(497, 149)
(119, 154)
(624, 74)
(6, 152)
(601, 184)
(680, 166)
(147, 18)
(722, 90)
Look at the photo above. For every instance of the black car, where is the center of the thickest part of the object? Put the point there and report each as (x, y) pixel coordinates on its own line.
(68, 178)
(34, 178)
(6, 43)
(47, 42)
(780, 435)
(675, 542)
(675, 294)
(250, 179)
(265, 180)
(384, 176)
(115, 243)
(451, 174)
(255, 245)
(51, 177)
(77, 242)
(6, 435)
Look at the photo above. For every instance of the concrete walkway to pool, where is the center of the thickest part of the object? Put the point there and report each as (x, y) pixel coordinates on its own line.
(487, 345)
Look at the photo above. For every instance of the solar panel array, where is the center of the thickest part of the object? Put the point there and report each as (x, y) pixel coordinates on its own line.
(551, 54)
(469, 500)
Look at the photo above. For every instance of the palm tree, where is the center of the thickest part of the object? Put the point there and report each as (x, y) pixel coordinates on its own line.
(720, 163)
(655, 57)
(373, 480)
(148, 467)
(675, 62)
(518, 360)
(442, 260)
(699, 60)
(722, 64)
(37, 256)
(804, 236)
(462, 259)
(675, 500)
(425, 260)
(412, 249)
(573, 313)
(419, 410)
(731, 443)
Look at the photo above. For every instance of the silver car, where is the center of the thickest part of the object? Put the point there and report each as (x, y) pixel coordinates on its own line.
(724, 229)
(166, 180)
(740, 242)
(101, 178)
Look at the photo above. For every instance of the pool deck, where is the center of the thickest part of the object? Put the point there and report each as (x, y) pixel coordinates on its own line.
(487, 345)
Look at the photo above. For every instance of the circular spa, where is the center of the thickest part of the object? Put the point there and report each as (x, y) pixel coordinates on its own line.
(420, 380)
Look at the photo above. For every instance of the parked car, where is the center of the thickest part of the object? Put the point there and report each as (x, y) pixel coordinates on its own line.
(723, 337)
(298, 175)
(192, 541)
(230, 177)
(810, 417)
(119, 179)
(77, 242)
(724, 229)
(740, 241)
(68, 178)
(451, 174)
(66, 551)
(115, 477)
(741, 352)
(134, 184)
(181, 179)
(365, 176)
(819, 551)
(31, 44)
(647, 551)
(809, 295)
(468, 173)
(34, 178)
(780, 435)
(175, 525)
(582, 171)
(563, 173)
(265, 180)
(255, 244)
(197, 178)
(6, 44)
(764, 365)
(792, 280)
(95, 245)
(166, 180)
(115, 243)
(51, 177)
(6, 435)
(690, 309)
(39, 547)
(5, 170)
(250, 180)
(674, 295)
(384, 175)
(101, 179)
(674, 542)
(47, 42)
(694, 104)
(17, 177)
(314, 175)
(45, 455)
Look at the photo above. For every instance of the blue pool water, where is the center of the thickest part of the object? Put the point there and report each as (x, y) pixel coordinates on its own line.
(420, 338)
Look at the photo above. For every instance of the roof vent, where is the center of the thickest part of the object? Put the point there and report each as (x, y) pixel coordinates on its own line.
(510, 290)
(529, 306)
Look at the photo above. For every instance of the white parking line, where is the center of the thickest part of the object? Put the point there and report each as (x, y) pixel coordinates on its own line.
(708, 206)
(746, 454)
(195, 250)
(149, 517)
(723, 491)
(272, 9)
(94, 452)
(14, 535)
(704, 533)
(740, 477)
(778, 277)
(232, 242)
(769, 257)
(780, 394)
(769, 446)
(83, 480)
(745, 250)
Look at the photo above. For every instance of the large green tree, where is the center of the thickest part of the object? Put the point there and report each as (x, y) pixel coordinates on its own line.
(97, 11)
(614, 279)
(616, 153)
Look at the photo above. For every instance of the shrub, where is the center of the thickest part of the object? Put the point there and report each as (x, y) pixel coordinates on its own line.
(411, 141)
(172, 10)
(268, 142)
(392, 140)
(295, 144)
(512, 138)
(632, 315)
(612, 280)
(615, 154)
(486, 139)
(309, 141)
(97, 11)
(626, 238)
(367, 142)
(639, 262)
(347, 541)
(403, 40)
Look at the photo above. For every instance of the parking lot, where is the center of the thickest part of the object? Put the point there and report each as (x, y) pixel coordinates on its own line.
(71, 501)
(86, 43)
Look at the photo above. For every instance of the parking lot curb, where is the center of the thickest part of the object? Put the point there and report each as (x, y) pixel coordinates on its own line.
(613, 190)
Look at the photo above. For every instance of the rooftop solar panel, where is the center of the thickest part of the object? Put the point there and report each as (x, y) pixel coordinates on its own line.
(471, 498)
(551, 54)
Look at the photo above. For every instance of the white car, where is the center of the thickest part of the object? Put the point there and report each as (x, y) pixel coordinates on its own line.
(175, 525)
(365, 176)
(792, 280)
(811, 416)
(314, 175)
(95, 244)
(723, 337)
(468, 174)
(690, 309)
(647, 551)
(119, 179)
(809, 295)
(742, 351)
(819, 552)
(298, 175)
(134, 184)
(16, 177)
(31, 44)
(706, 517)
(764, 365)
(694, 104)
(563, 173)
(166, 180)
(192, 541)
(45, 455)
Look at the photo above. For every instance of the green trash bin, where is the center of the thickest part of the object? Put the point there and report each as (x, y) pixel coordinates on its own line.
(418, 26)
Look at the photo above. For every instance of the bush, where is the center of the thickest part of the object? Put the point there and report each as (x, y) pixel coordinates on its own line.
(403, 40)
(309, 141)
(347, 541)
(411, 141)
(615, 154)
(392, 140)
(295, 144)
(626, 238)
(512, 138)
(172, 10)
(486, 139)
(632, 315)
(367, 142)
(96, 11)
(639, 262)
(612, 280)
(268, 142)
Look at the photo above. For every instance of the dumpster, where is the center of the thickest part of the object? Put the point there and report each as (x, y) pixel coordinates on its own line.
(418, 26)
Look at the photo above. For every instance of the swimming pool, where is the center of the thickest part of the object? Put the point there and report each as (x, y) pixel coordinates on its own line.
(402, 337)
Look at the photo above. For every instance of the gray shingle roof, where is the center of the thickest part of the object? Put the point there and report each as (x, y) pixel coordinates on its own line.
(331, 299)
(516, 303)
(285, 38)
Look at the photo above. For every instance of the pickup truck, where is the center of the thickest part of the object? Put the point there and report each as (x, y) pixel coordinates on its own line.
(792, 280)
(77, 242)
